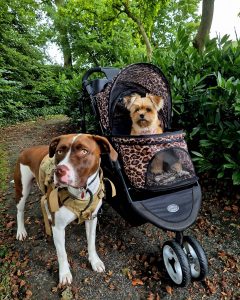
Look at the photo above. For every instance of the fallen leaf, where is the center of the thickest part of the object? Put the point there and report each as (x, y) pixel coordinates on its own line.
(112, 287)
(10, 224)
(150, 296)
(28, 294)
(137, 281)
(22, 283)
(55, 289)
(212, 288)
(169, 290)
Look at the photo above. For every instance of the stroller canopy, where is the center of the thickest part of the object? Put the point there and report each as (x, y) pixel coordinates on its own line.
(138, 78)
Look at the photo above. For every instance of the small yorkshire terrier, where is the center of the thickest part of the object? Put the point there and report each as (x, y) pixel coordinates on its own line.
(144, 113)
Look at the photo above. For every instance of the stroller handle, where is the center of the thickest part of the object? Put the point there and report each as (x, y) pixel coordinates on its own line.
(109, 72)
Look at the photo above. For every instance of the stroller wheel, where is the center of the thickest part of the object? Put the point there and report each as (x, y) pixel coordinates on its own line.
(196, 257)
(176, 263)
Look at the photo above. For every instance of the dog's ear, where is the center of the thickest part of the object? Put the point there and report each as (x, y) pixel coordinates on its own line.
(53, 145)
(105, 146)
(157, 101)
(128, 100)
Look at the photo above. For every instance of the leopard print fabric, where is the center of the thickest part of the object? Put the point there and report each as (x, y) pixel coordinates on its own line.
(137, 152)
(102, 101)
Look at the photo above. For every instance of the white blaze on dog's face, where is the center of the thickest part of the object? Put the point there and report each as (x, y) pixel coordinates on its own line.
(77, 157)
(143, 110)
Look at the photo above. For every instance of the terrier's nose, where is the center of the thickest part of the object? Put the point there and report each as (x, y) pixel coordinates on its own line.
(141, 116)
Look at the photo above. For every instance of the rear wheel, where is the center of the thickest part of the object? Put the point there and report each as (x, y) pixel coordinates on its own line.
(176, 263)
(196, 257)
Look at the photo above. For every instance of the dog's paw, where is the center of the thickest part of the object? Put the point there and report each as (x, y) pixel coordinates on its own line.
(97, 264)
(65, 278)
(21, 234)
(157, 178)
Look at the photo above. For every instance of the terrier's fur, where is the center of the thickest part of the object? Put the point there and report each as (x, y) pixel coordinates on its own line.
(144, 113)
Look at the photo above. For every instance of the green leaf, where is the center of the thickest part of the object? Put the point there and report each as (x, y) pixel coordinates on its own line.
(197, 153)
(236, 177)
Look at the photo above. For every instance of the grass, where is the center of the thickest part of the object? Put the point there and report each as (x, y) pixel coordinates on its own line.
(4, 168)
(5, 284)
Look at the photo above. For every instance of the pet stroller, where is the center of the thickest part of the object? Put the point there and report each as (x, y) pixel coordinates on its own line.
(168, 200)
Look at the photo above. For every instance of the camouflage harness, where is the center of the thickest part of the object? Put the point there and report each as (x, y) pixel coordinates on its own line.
(55, 197)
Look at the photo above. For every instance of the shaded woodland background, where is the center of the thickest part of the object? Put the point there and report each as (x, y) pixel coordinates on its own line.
(203, 73)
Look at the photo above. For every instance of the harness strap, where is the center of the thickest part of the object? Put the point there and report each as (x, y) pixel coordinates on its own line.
(45, 216)
(89, 202)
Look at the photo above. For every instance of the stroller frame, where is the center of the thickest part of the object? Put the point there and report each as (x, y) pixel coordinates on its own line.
(176, 210)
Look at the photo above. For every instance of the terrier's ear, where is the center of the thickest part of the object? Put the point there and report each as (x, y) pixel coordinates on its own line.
(156, 100)
(128, 100)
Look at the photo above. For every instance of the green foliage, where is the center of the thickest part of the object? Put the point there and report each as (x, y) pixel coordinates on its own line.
(28, 88)
(206, 101)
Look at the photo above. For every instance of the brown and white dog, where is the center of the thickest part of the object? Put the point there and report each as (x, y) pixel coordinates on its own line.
(144, 113)
(77, 162)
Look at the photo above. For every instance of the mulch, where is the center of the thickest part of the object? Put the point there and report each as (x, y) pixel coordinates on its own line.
(132, 255)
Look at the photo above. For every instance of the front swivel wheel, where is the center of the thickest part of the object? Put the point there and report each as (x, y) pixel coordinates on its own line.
(196, 257)
(176, 263)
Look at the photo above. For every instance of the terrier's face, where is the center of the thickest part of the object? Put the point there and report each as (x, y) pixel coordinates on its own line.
(144, 110)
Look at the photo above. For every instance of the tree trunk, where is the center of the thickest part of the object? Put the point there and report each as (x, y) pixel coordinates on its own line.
(205, 25)
(64, 41)
(142, 32)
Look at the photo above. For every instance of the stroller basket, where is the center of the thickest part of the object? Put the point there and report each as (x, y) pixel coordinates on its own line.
(157, 162)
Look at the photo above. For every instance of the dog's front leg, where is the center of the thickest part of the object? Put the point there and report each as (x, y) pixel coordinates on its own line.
(23, 178)
(62, 218)
(93, 257)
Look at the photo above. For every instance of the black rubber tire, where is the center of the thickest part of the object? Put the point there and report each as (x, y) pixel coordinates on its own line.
(181, 277)
(200, 255)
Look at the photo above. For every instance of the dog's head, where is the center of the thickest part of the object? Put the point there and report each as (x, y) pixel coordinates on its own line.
(143, 110)
(77, 157)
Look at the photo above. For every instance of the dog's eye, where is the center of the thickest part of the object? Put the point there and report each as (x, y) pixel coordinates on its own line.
(83, 152)
(59, 152)
(137, 109)
(148, 110)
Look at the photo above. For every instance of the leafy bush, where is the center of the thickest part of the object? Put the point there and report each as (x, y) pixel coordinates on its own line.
(206, 101)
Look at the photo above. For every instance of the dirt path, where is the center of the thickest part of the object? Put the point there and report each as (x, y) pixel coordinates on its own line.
(131, 255)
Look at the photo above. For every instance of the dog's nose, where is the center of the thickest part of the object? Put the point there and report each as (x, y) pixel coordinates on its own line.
(141, 116)
(61, 170)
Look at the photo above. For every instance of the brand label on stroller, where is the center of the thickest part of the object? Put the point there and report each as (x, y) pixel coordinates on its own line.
(173, 208)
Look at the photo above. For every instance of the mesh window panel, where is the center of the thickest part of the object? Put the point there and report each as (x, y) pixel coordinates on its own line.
(170, 168)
